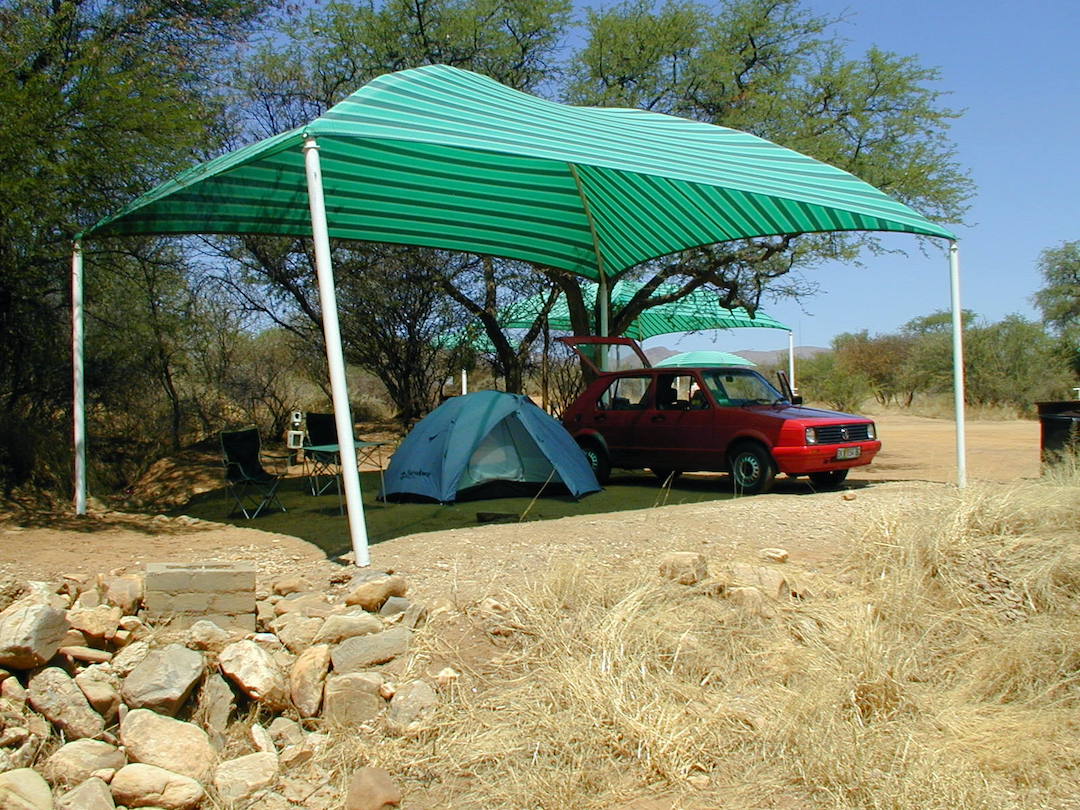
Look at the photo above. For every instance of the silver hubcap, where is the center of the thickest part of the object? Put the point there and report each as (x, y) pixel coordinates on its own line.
(747, 469)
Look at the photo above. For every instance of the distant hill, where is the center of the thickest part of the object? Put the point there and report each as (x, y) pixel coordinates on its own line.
(779, 356)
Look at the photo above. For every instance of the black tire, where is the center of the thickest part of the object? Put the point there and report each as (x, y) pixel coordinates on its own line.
(752, 469)
(598, 459)
(662, 474)
(829, 479)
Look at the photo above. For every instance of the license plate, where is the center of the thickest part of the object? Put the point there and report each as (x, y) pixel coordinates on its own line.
(848, 452)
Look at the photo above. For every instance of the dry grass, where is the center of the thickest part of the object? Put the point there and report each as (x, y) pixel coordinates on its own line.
(940, 669)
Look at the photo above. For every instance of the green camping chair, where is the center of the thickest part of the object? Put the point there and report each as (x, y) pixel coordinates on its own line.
(251, 486)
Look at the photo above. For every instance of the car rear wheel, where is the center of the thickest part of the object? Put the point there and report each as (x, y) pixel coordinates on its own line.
(831, 478)
(663, 474)
(598, 459)
(752, 469)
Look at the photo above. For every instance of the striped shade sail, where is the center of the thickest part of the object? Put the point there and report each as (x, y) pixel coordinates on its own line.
(695, 312)
(446, 158)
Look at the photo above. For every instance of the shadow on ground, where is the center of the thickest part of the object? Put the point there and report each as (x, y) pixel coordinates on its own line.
(318, 519)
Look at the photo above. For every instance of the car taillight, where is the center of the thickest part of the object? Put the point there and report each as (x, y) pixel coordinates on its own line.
(871, 431)
(811, 435)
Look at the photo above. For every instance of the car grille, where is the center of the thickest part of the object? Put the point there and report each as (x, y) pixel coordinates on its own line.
(837, 434)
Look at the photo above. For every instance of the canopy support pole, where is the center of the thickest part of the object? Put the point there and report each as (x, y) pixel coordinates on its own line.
(602, 296)
(464, 382)
(78, 402)
(958, 365)
(334, 357)
(791, 360)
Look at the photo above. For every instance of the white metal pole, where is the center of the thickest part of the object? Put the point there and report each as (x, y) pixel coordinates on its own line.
(958, 365)
(78, 403)
(464, 382)
(335, 359)
(791, 360)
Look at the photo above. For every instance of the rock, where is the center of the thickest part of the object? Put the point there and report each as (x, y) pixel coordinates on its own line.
(411, 703)
(394, 605)
(238, 780)
(348, 625)
(776, 555)
(371, 789)
(12, 690)
(372, 594)
(415, 615)
(44, 593)
(205, 635)
(285, 732)
(448, 676)
(105, 774)
(305, 604)
(262, 739)
(130, 657)
(253, 669)
(361, 652)
(102, 690)
(287, 584)
(752, 600)
(216, 705)
(76, 761)
(24, 789)
(293, 756)
(352, 698)
(99, 623)
(13, 736)
(164, 679)
(53, 693)
(87, 655)
(126, 592)
(848, 496)
(768, 580)
(685, 567)
(93, 794)
(139, 785)
(296, 631)
(30, 634)
(154, 739)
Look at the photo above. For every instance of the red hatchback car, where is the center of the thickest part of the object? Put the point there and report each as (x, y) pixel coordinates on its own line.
(721, 419)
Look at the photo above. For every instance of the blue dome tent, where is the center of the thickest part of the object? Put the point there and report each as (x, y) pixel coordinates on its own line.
(486, 444)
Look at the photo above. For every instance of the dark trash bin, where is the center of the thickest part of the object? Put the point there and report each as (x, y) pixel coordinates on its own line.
(1060, 429)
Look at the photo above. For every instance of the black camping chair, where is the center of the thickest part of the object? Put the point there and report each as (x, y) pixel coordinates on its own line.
(322, 432)
(251, 486)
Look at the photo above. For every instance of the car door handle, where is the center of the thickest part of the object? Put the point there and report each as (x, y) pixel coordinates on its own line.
(599, 418)
(658, 418)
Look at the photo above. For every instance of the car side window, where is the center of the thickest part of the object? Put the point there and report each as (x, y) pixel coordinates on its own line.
(625, 394)
(673, 391)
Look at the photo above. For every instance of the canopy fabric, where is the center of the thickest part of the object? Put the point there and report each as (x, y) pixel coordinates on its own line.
(703, 358)
(442, 157)
(693, 313)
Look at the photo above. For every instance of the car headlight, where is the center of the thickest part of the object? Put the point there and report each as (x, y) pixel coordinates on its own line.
(871, 431)
(811, 435)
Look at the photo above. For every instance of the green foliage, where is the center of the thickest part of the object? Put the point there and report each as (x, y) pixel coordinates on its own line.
(1059, 299)
(98, 101)
(823, 378)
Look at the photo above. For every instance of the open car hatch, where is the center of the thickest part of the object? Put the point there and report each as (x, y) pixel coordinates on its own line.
(603, 353)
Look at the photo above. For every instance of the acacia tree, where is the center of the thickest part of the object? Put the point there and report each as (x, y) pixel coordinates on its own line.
(774, 69)
(98, 100)
(1059, 299)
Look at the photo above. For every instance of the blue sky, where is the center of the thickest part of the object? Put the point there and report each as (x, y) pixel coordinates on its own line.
(1014, 69)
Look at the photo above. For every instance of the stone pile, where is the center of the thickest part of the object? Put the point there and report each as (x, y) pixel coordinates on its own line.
(100, 708)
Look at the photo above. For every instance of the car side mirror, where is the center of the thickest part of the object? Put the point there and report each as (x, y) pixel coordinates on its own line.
(797, 399)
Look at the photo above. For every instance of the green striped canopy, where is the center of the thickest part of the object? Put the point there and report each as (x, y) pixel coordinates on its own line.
(446, 158)
(693, 313)
(703, 358)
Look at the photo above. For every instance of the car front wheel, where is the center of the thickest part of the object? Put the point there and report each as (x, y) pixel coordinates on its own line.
(752, 469)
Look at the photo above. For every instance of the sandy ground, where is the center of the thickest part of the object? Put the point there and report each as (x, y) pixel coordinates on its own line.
(462, 564)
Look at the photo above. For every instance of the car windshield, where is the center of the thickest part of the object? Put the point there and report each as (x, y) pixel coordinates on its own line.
(741, 387)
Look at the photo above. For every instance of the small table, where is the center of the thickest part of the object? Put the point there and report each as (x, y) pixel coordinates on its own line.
(323, 459)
